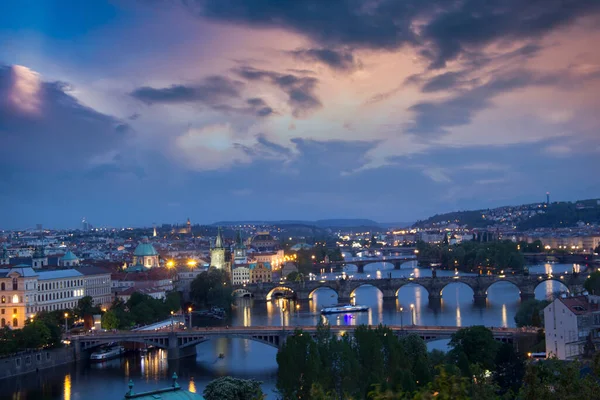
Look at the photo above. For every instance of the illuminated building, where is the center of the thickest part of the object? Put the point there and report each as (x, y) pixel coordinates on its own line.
(145, 255)
(217, 253)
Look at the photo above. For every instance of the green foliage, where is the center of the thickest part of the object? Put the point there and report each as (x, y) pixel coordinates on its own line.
(35, 335)
(110, 320)
(212, 288)
(227, 388)
(510, 369)
(592, 284)
(85, 306)
(530, 313)
(44, 332)
(558, 380)
(471, 256)
(476, 345)
(370, 362)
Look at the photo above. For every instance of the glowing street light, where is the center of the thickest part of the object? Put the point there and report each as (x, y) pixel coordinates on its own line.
(192, 263)
(170, 264)
(190, 315)
(66, 316)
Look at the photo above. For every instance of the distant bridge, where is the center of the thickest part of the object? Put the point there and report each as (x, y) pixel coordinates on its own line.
(182, 343)
(580, 258)
(345, 289)
(360, 263)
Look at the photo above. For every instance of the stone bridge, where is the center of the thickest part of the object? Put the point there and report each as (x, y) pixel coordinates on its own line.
(397, 261)
(565, 258)
(182, 343)
(345, 289)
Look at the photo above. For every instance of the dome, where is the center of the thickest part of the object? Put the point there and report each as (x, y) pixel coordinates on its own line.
(144, 249)
(69, 256)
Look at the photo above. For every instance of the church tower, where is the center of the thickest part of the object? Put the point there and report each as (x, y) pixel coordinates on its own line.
(39, 259)
(217, 253)
(188, 226)
(4, 257)
(239, 250)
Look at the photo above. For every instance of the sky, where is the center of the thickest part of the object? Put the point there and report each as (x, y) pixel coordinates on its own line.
(152, 111)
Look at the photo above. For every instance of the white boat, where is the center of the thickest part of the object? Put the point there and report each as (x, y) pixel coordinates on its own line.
(343, 308)
(107, 353)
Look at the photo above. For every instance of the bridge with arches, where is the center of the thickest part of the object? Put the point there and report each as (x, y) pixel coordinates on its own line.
(360, 263)
(345, 288)
(182, 342)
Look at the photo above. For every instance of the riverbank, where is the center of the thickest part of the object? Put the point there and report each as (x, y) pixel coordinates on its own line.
(34, 361)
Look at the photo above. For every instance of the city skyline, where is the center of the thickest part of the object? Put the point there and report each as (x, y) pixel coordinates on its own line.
(130, 113)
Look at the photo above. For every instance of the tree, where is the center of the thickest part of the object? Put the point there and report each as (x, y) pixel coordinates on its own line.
(298, 370)
(85, 306)
(529, 313)
(211, 288)
(228, 388)
(510, 369)
(477, 344)
(592, 284)
(35, 335)
(110, 320)
(173, 301)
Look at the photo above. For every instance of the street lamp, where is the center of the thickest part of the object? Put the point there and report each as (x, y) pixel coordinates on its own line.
(172, 327)
(401, 318)
(412, 314)
(66, 316)
(190, 314)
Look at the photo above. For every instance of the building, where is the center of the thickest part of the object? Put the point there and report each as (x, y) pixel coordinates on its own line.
(273, 258)
(260, 272)
(18, 288)
(97, 284)
(24, 292)
(568, 322)
(263, 241)
(155, 293)
(217, 253)
(288, 268)
(145, 255)
(69, 260)
(240, 274)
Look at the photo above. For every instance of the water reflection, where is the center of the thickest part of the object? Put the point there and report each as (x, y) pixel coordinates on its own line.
(67, 387)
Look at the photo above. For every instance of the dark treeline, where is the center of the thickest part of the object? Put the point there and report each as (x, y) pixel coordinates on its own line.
(472, 256)
(376, 364)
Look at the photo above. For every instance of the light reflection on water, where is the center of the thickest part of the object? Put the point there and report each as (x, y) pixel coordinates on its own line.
(247, 359)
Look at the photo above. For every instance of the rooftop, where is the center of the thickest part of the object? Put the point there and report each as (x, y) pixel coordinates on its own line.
(579, 304)
(144, 250)
(174, 392)
(58, 274)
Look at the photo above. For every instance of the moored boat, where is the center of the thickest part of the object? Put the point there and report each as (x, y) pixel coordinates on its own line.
(107, 353)
(343, 308)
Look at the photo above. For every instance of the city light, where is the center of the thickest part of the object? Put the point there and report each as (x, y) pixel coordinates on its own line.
(170, 264)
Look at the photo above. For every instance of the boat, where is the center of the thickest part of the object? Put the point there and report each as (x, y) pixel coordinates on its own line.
(343, 308)
(107, 353)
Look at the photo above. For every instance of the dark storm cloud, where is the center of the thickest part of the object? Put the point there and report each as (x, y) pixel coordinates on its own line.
(431, 118)
(448, 28)
(210, 91)
(300, 90)
(59, 134)
(337, 59)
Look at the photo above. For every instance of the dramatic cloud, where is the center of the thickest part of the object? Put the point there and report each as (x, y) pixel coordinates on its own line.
(36, 117)
(444, 30)
(211, 91)
(300, 90)
(341, 60)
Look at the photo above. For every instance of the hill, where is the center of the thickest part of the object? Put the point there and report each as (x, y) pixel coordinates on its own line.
(523, 217)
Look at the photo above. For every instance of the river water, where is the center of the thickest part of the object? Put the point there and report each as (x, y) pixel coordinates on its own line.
(248, 359)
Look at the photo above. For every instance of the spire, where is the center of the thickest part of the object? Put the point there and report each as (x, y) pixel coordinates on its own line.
(219, 240)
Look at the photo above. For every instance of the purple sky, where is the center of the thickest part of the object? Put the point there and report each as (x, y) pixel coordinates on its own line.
(135, 112)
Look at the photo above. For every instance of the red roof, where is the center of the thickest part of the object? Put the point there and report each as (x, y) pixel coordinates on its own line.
(579, 304)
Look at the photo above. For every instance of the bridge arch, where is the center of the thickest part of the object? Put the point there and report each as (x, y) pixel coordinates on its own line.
(411, 284)
(242, 292)
(278, 291)
(323, 286)
(503, 281)
(353, 291)
(163, 344)
(551, 279)
(456, 282)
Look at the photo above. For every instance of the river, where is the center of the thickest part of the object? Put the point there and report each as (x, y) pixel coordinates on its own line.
(248, 359)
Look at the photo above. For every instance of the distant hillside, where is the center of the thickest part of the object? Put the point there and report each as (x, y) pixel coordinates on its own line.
(564, 214)
(323, 223)
(473, 219)
(524, 217)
